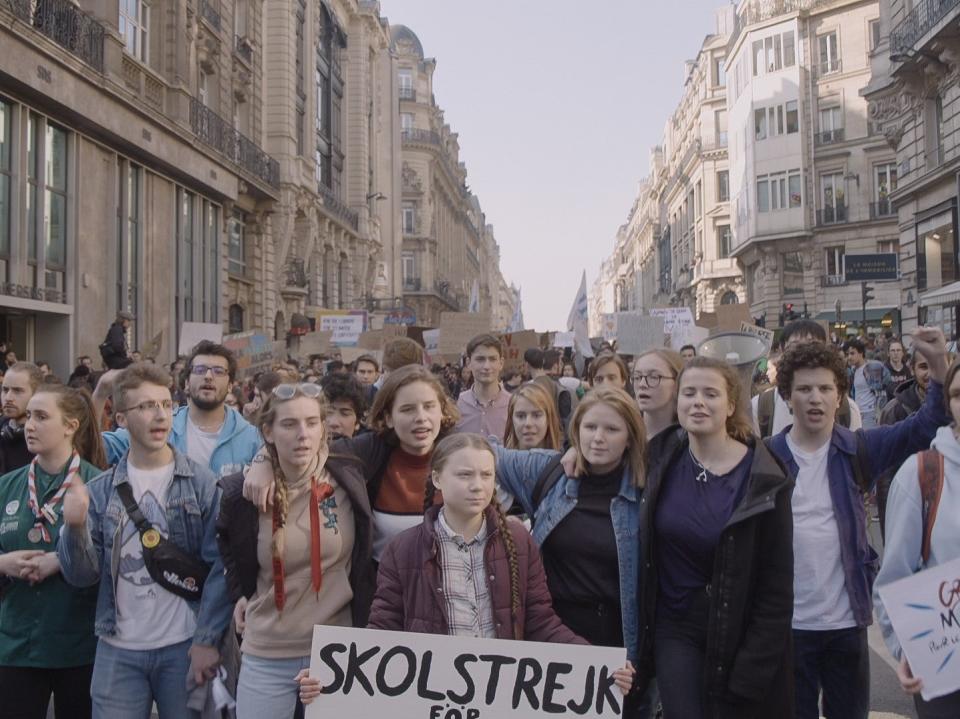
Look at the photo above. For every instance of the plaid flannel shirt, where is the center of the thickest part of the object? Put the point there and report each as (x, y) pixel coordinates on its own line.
(466, 593)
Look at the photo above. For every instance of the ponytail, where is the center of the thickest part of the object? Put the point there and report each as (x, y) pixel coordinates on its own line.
(77, 404)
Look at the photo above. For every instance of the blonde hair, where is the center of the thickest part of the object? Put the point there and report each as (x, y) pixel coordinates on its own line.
(538, 396)
(625, 406)
(739, 426)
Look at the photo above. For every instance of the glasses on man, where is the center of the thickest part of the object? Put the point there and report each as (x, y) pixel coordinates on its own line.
(202, 369)
(151, 406)
(289, 391)
(652, 379)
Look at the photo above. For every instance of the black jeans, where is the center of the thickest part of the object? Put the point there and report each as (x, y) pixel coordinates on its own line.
(946, 707)
(679, 646)
(26, 692)
(838, 662)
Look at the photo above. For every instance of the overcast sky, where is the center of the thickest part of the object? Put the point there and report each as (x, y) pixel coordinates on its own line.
(557, 105)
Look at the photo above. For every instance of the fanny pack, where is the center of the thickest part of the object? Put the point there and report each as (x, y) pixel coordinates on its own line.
(167, 564)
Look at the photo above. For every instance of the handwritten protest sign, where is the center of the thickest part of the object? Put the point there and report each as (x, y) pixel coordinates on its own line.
(515, 344)
(369, 673)
(431, 341)
(761, 332)
(638, 333)
(372, 339)
(674, 318)
(346, 325)
(193, 332)
(925, 612)
(458, 328)
(254, 352)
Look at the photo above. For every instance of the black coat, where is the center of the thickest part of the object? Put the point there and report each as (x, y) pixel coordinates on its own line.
(114, 348)
(749, 660)
(238, 526)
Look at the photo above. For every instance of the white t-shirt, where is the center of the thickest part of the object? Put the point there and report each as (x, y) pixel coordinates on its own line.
(866, 399)
(783, 417)
(148, 616)
(200, 444)
(820, 600)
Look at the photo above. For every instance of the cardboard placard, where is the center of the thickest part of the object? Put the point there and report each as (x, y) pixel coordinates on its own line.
(638, 333)
(349, 355)
(924, 609)
(254, 352)
(608, 327)
(346, 325)
(431, 341)
(315, 343)
(761, 332)
(430, 676)
(193, 332)
(515, 344)
(730, 317)
(563, 339)
(372, 339)
(458, 328)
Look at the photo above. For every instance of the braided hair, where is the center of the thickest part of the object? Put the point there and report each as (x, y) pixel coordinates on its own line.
(445, 449)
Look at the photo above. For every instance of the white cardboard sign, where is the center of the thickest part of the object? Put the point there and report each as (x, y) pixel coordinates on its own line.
(924, 609)
(371, 673)
(191, 333)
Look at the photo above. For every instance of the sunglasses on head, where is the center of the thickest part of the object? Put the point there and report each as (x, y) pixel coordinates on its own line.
(289, 391)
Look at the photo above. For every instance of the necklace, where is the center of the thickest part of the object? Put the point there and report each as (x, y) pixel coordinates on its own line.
(703, 475)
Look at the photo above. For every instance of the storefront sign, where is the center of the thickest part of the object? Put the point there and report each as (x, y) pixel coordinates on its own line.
(863, 268)
(43, 294)
(369, 673)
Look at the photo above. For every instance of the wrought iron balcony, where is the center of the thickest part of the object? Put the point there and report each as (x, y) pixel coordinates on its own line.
(415, 134)
(209, 13)
(215, 132)
(65, 24)
(337, 208)
(411, 284)
(243, 49)
(828, 137)
(295, 273)
(924, 16)
(881, 208)
(408, 93)
(832, 215)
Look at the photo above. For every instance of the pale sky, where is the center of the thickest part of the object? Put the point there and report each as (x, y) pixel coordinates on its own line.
(557, 105)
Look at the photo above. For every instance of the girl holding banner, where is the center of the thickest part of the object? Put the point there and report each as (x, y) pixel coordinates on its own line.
(306, 563)
(532, 420)
(47, 643)
(923, 531)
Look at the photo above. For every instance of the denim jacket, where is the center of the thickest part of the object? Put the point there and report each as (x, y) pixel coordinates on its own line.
(91, 554)
(518, 470)
(885, 446)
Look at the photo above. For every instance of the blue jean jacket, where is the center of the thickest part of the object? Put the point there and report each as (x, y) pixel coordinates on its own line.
(89, 555)
(885, 446)
(518, 470)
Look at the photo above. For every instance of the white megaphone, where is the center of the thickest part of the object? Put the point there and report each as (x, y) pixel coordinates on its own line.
(741, 351)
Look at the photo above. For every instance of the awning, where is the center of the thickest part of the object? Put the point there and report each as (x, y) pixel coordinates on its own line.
(946, 295)
(852, 316)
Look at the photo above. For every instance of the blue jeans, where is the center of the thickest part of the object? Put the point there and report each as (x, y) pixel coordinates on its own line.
(127, 682)
(266, 687)
(838, 662)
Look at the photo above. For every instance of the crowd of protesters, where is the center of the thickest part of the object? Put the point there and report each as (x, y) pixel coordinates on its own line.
(171, 534)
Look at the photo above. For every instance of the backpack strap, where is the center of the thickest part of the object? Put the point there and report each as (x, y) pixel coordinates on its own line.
(930, 476)
(765, 406)
(843, 413)
(861, 464)
(132, 508)
(548, 478)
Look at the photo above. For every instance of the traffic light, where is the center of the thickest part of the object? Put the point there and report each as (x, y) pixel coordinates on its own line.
(866, 293)
(789, 314)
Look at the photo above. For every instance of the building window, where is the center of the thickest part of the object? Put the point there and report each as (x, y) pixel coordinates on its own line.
(33, 190)
(829, 53)
(53, 210)
(406, 122)
(134, 26)
(723, 186)
(779, 191)
(720, 127)
(6, 172)
(729, 298)
(760, 124)
(300, 50)
(794, 188)
(719, 76)
(888, 247)
(936, 251)
(129, 235)
(763, 194)
(885, 182)
(793, 122)
(874, 34)
(185, 219)
(832, 198)
(236, 245)
(409, 219)
(329, 91)
(211, 263)
(235, 319)
(773, 53)
(831, 125)
(405, 81)
(409, 271)
(724, 239)
(834, 256)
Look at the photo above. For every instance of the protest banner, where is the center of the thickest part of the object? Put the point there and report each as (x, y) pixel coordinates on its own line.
(369, 673)
(608, 327)
(458, 328)
(761, 332)
(515, 344)
(678, 323)
(253, 350)
(924, 609)
(315, 343)
(346, 325)
(638, 333)
(564, 339)
(193, 332)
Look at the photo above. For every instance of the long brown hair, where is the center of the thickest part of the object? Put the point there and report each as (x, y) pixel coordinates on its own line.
(77, 404)
(625, 406)
(445, 449)
(739, 426)
(538, 396)
(397, 379)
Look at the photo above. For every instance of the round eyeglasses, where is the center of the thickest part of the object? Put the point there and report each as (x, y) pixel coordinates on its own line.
(289, 391)
(652, 379)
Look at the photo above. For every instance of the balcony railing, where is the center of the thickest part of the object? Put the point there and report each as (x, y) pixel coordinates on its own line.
(832, 215)
(828, 137)
(880, 209)
(65, 24)
(338, 209)
(411, 284)
(295, 273)
(243, 49)
(415, 134)
(832, 280)
(924, 16)
(215, 132)
(408, 93)
(443, 289)
(209, 13)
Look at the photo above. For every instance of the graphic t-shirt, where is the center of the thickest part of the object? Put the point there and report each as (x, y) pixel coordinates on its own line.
(148, 616)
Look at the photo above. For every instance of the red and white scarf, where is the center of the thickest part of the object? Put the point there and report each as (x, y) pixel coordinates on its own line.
(47, 514)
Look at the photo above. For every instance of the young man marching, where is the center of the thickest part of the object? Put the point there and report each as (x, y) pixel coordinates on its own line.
(834, 565)
(158, 620)
(483, 407)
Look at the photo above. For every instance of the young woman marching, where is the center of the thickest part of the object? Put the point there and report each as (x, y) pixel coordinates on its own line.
(532, 420)
(305, 563)
(608, 370)
(910, 549)
(654, 377)
(47, 644)
(717, 589)
(489, 568)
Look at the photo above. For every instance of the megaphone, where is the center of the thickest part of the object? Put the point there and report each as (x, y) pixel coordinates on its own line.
(741, 351)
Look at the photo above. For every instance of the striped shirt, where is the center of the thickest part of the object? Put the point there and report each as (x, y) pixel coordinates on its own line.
(466, 593)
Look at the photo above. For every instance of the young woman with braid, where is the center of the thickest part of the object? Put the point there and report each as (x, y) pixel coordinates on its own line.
(306, 562)
(47, 644)
(488, 566)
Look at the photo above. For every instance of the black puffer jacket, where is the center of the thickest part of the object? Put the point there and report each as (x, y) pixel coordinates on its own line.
(749, 662)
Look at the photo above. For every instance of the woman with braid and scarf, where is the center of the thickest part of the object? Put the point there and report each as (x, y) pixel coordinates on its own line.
(462, 544)
(306, 562)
